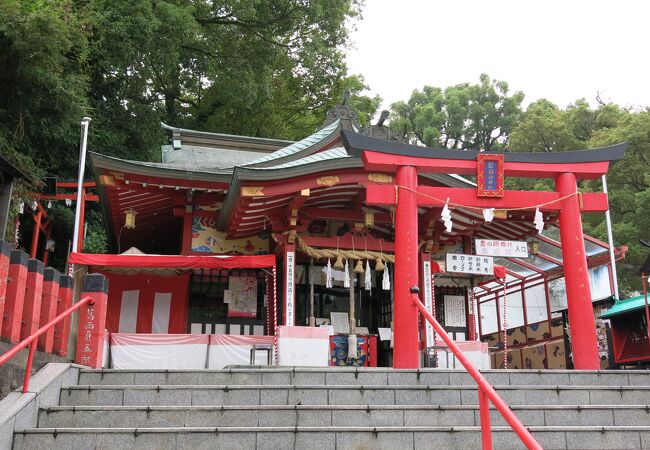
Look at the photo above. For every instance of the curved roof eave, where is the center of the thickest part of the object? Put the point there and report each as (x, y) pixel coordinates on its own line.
(157, 169)
(356, 144)
(300, 149)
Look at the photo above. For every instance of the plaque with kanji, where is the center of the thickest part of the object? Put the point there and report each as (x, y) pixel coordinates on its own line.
(489, 175)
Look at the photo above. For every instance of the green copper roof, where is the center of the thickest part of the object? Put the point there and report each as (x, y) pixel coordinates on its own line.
(625, 306)
(297, 148)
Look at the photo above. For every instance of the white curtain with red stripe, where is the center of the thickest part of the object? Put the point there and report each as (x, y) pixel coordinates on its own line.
(147, 304)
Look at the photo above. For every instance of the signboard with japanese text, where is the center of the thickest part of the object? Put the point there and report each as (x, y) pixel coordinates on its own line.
(493, 247)
(290, 286)
(454, 306)
(428, 300)
(469, 264)
(489, 175)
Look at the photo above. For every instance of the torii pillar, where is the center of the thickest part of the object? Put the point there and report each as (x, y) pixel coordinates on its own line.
(405, 314)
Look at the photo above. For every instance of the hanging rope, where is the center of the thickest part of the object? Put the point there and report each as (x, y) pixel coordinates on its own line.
(476, 208)
(321, 253)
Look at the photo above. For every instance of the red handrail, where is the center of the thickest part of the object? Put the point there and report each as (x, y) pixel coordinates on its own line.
(486, 392)
(34, 338)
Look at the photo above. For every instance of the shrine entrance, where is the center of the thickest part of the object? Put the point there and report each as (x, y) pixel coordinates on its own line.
(406, 162)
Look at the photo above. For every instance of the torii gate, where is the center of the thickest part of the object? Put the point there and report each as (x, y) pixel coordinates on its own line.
(407, 161)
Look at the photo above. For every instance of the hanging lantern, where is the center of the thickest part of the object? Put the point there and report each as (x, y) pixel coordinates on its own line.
(338, 264)
(359, 267)
(129, 219)
(379, 265)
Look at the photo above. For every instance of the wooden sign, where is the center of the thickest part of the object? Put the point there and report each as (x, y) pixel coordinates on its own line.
(489, 175)
(469, 264)
(493, 247)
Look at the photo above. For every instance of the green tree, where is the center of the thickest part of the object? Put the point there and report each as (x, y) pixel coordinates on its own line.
(544, 128)
(466, 116)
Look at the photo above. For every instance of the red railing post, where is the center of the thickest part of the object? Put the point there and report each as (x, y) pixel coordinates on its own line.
(486, 426)
(62, 329)
(92, 322)
(33, 297)
(15, 296)
(5, 251)
(48, 307)
(28, 368)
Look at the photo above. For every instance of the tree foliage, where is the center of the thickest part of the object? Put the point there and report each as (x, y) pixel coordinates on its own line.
(466, 116)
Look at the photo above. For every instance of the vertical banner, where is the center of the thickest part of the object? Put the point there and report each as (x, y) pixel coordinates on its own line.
(289, 299)
(428, 300)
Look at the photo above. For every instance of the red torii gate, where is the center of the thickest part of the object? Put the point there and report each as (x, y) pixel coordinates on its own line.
(406, 161)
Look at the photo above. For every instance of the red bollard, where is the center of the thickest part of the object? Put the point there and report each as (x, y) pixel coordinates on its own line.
(92, 322)
(15, 301)
(33, 296)
(48, 307)
(5, 252)
(62, 329)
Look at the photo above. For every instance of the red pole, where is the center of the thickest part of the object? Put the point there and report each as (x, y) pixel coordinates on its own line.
(647, 311)
(35, 233)
(28, 369)
(405, 316)
(486, 427)
(581, 316)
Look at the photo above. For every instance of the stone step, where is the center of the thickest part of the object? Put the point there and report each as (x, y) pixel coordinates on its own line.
(361, 376)
(326, 438)
(335, 415)
(171, 395)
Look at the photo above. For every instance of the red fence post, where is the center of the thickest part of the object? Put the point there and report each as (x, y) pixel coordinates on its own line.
(15, 301)
(5, 252)
(62, 329)
(48, 307)
(33, 296)
(92, 322)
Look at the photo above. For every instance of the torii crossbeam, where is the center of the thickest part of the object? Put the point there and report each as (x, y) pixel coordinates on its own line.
(565, 168)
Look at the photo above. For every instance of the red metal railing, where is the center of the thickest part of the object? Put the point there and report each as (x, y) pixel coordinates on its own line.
(486, 392)
(32, 340)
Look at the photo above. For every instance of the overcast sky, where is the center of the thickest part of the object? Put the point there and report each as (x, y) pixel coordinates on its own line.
(559, 50)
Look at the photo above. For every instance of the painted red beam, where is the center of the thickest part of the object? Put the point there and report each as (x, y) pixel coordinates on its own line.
(390, 162)
(436, 196)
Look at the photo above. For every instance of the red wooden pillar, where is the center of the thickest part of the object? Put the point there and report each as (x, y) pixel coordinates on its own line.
(581, 316)
(35, 234)
(62, 329)
(92, 322)
(289, 289)
(405, 314)
(14, 304)
(33, 297)
(5, 253)
(48, 307)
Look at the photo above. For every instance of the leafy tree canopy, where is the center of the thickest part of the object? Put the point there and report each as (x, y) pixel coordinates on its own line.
(466, 116)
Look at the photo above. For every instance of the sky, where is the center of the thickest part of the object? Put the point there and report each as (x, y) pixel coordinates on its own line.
(558, 50)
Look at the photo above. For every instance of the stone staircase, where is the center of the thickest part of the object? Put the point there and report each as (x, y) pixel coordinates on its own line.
(339, 408)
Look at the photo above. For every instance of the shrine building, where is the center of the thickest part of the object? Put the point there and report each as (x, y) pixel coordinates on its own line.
(249, 240)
